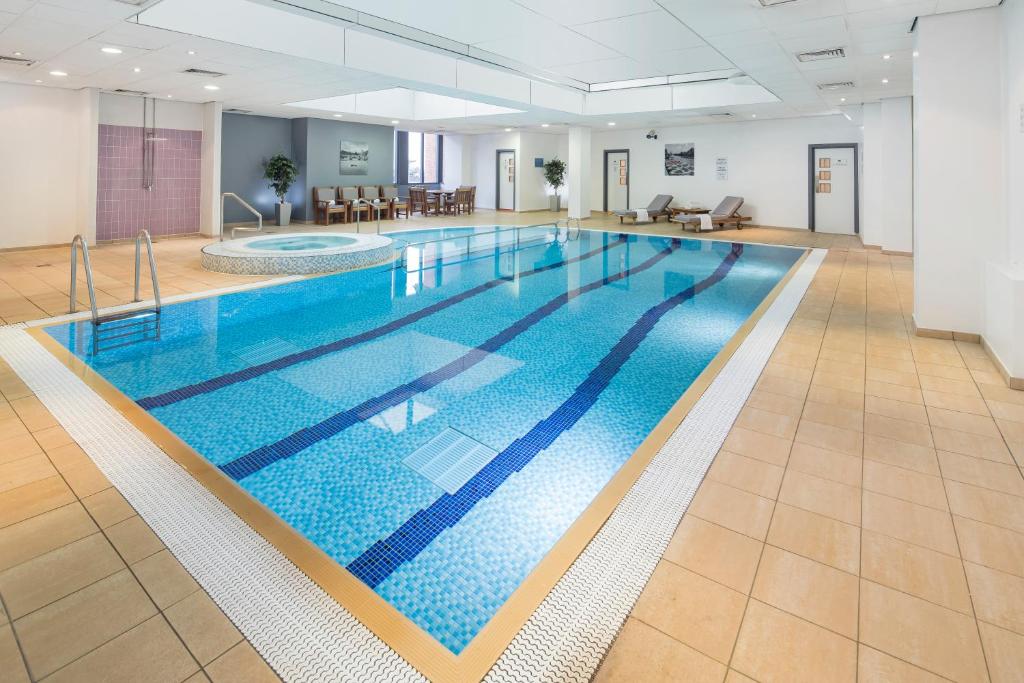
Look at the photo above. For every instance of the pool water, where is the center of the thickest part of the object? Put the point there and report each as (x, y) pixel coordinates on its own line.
(300, 243)
(549, 359)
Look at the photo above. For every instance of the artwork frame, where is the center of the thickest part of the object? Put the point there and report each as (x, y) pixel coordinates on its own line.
(353, 158)
(680, 159)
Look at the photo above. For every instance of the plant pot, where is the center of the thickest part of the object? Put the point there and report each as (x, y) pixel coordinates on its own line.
(556, 203)
(283, 213)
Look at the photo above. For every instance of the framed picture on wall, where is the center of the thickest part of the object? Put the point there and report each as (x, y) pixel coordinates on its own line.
(622, 180)
(679, 159)
(825, 162)
(353, 158)
(824, 188)
(824, 175)
(622, 171)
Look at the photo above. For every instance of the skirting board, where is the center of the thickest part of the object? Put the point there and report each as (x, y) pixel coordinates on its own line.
(972, 338)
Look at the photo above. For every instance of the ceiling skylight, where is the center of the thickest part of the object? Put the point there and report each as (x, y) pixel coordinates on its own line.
(414, 105)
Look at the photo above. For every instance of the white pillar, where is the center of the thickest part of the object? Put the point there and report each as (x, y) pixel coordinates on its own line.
(209, 197)
(871, 222)
(897, 175)
(578, 172)
(88, 162)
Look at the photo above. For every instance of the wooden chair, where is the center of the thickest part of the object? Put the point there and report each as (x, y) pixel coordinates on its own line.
(396, 204)
(420, 201)
(462, 201)
(326, 204)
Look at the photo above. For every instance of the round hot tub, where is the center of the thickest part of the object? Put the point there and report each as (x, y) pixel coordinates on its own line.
(297, 253)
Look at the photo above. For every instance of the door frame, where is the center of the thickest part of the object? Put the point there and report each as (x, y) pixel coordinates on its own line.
(628, 171)
(497, 178)
(812, 173)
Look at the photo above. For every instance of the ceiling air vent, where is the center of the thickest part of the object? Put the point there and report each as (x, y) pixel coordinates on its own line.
(819, 55)
(16, 61)
(721, 115)
(771, 3)
(237, 111)
(125, 91)
(203, 72)
(838, 85)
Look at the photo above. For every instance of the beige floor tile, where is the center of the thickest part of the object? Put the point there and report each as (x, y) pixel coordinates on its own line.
(787, 372)
(825, 497)
(934, 638)
(747, 474)
(695, 611)
(852, 400)
(642, 653)
(821, 462)
(923, 489)
(845, 441)
(836, 416)
(775, 403)
(963, 422)
(133, 539)
(1000, 392)
(1013, 412)
(957, 387)
(909, 522)
(52, 437)
(893, 391)
(985, 505)
(834, 381)
(1013, 434)
(18, 447)
(67, 629)
(780, 385)
(22, 471)
(736, 677)
(964, 404)
(715, 553)
(734, 509)
(198, 677)
(33, 499)
(1004, 651)
(808, 589)
(903, 379)
(998, 596)
(163, 577)
(944, 371)
(33, 414)
(108, 507)
(816, 537)
(766, 422)
(991, 546)
(898, 430)
(12, 665)
(204, 628)
(240, 664)
(924, 573)
(30, 585)
(898, 410)
(149, 652)
(770, 449)
(40, 534)
(986, 447)
(877, 667)
(85, 479)
(776, 646)
(67, 455)
(983, 473)
(901, 454)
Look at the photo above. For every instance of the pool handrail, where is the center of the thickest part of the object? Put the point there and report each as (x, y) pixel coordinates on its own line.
(144, 234)
(259, 216)
(79, 240)
(375, 204)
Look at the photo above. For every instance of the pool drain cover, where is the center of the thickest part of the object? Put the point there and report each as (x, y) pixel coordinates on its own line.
(450, 459)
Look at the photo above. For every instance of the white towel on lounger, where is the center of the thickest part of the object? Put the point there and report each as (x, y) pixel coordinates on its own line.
(642, 216)
(705, 222)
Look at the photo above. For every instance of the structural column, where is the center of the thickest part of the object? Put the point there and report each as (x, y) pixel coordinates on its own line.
(578, 172)
(209, 197)
(88, 162)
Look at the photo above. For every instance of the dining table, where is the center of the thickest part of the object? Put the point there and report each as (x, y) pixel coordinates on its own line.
(444, 197)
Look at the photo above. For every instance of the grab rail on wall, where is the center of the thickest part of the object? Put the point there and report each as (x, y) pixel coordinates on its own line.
(245, 204)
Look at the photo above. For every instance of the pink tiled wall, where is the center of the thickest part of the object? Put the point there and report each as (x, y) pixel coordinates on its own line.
(123, 207)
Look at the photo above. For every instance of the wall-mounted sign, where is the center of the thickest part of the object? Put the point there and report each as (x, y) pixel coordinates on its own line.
(722, 168)
(538, 162)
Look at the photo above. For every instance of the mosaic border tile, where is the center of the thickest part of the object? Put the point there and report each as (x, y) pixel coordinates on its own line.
(306, 635)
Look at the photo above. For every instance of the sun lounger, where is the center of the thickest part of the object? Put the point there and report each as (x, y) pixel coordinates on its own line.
(726, 214)
(658, 207)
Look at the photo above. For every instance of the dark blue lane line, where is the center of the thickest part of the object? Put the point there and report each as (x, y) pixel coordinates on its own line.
(292, 444)
(227, 379)
(381, 559)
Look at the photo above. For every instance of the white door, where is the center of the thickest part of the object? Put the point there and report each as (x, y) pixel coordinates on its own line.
(616, 189)
(834, 189)
(506, 181)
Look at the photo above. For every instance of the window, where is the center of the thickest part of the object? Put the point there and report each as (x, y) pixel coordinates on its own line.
(418, 158)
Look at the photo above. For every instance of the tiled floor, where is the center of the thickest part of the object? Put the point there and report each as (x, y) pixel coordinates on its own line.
(865, 518)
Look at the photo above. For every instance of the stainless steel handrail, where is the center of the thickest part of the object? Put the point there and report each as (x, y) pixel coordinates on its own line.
(259, 216)
(152, 267)
(79, 240)
(375, 204)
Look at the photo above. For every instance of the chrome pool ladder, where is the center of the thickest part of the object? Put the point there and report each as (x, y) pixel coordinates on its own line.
(126, 327)
(567, 223)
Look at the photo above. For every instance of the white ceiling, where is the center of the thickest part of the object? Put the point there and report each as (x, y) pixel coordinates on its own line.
(575, 42)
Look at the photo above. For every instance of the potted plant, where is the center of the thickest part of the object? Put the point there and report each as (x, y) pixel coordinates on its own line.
(554, 174)
(281, 172)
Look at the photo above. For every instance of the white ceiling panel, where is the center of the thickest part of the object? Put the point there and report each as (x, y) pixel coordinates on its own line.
(604, 70)
(718, 18)
(568, 12)
(642, 34)
(547, 46)
(777, 16)
(690, 60)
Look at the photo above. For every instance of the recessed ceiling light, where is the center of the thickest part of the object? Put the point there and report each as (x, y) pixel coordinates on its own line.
(394, 121)
(884, 81)
(170, 96)
(17, 54)
(111, 50)
(545, 125)
(508, 130)
(191, 52)
(211, 87)
(886, 56)
(137, 70)
(38, 80)
(842, 99)
(611, 123)
(753, 116)
(915, 53)
(58, 73)
(337, 116)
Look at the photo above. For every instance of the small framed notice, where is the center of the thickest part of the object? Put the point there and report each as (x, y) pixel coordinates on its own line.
(824, 188)
(824, 175)
(825, 162)
(722, 168)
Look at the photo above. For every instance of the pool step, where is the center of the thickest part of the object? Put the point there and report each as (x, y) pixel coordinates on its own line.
(450, 459)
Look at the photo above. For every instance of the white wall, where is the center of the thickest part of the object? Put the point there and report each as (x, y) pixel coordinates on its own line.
(452, 160)
(767, 164)
(897, 185)
(48, 186)
(533, 191)
(123, 110)
(871, 217)
(958, 165)
(485, 149)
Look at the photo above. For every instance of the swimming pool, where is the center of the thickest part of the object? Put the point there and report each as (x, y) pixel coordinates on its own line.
(436, 430)
(300, 242)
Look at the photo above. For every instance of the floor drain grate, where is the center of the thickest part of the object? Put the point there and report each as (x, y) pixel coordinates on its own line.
(450, 459)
